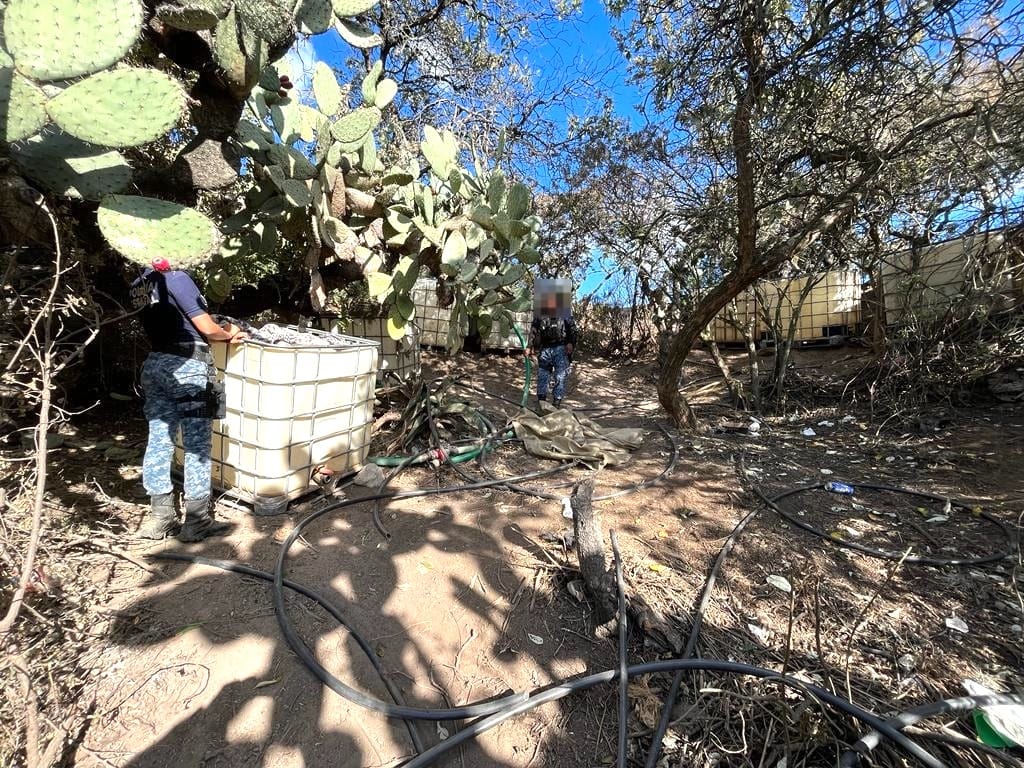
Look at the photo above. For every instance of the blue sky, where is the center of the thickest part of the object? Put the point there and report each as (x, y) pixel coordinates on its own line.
(581, 46)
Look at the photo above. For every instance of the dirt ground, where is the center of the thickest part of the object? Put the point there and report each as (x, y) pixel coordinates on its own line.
(470, 599)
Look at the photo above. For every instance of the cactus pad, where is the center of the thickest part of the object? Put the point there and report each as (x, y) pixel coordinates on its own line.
(326, 89)
(517, 201)
(119, 108)
(252, 136)
(296, 193)
(241, 70)
(268, 19)
(369, 89)
(22, 107)
(314, 16)
(191, 17)
(142, 229)
(354, 126)
(218, 286)
(292, 162)
(387, 89)
(343, 8)
(61, 39)
(357, 35)
(439, 151)
(72, 168)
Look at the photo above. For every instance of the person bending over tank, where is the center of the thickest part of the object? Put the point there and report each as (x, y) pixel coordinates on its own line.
(552, 338)
(176, 384)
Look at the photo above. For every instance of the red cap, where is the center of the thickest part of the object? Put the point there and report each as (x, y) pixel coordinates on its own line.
(161, 265)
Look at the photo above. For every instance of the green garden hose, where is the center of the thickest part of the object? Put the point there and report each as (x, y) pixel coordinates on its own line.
(458, 456)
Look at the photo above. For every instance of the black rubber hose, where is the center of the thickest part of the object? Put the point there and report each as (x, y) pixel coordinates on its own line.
(691, 643)
(377, 522)
(557, 692)
(542, 494)
(493, 434)
(309, 659)
(489, 393)
(890, 554)
(487, 439)
(316, 597)
(623, 639)
(851, 757)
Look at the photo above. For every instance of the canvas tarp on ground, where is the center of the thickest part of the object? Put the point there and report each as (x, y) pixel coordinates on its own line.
(566, 436)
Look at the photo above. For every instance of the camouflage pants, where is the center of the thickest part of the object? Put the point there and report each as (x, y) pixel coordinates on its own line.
(175, 391)
(552, 360)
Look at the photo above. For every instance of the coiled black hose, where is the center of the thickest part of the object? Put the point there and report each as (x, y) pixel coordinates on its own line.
(520, 703)
(300, 648)
(891, 554)
(623, 639)
(869, 741)
(323, 602)
(497, 711)
(557, 692)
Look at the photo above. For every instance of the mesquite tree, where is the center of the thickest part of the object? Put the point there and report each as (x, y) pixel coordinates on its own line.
(805, 118)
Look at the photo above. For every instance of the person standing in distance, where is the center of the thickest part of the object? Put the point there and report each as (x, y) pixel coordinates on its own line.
(552, 338)
(175, 384)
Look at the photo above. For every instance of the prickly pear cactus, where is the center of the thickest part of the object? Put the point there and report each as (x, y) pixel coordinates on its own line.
(71, 168)
(218, 286)
(358, 35)
(344, 8)
(239, 66)
(143, 228)
(271, 20)
(62, 39)
(194, 16)
(472, 229)
(120, 107)
(22, 107)
(334, 200)
(314, 16)
(356, 126)
(326, 90)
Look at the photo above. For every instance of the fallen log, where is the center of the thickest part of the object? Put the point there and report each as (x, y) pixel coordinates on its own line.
(658, 623)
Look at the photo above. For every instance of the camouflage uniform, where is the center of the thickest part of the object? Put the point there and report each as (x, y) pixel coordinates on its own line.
(550, 336)
(552, 359)
(175, 392)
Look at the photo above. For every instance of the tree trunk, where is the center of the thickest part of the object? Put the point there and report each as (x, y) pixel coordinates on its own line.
(748, 268)
(598, 581)
(752, 263)
(735, 387)
(755, 366)
(672, 400)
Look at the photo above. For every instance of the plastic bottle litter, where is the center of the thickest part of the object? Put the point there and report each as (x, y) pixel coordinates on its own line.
(998, 726)
(567, 512)
(834, 486)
